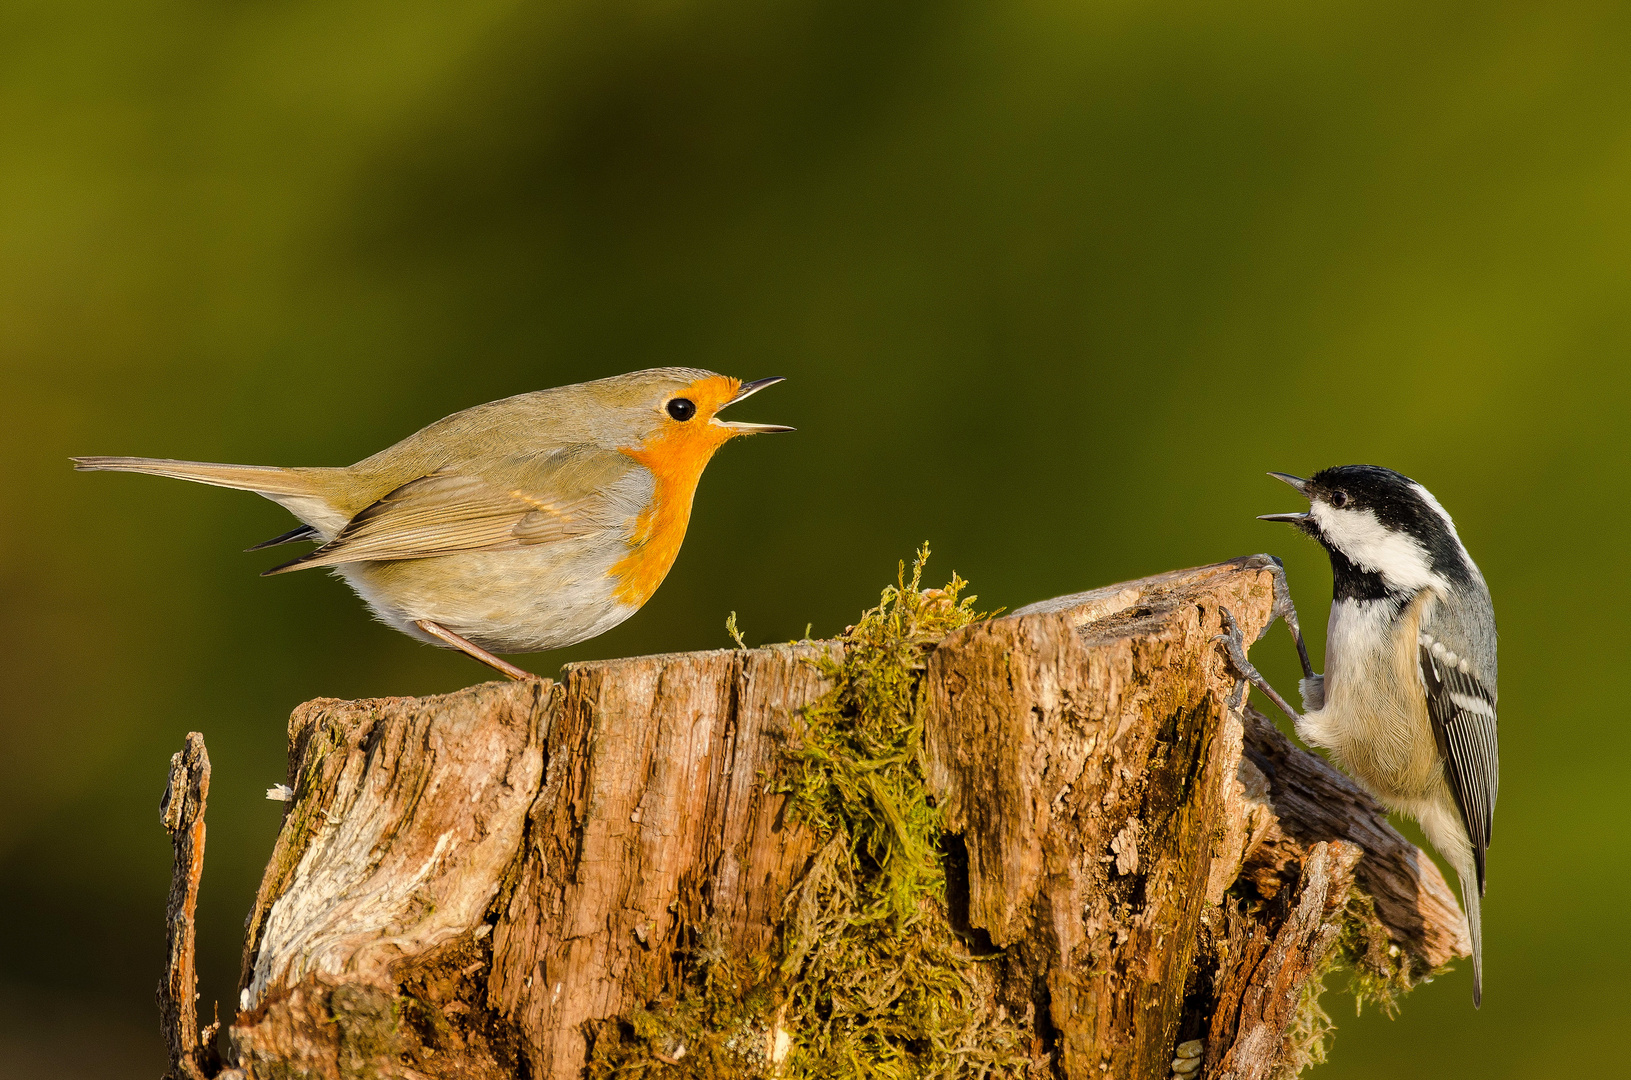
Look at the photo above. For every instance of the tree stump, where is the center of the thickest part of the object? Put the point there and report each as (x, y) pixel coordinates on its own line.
(494, 883)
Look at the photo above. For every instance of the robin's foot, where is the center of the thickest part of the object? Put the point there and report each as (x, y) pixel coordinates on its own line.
(470, 648)
(1234, 648)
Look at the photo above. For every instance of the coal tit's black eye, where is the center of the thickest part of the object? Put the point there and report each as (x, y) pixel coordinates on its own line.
(1339, 499)
(682, 408)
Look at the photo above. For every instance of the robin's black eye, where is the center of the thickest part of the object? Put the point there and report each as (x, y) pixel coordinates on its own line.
(1339, 499)
(682, 408)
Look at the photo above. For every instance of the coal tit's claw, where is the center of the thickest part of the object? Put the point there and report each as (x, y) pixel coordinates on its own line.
(1234, 651)
(1234, 647)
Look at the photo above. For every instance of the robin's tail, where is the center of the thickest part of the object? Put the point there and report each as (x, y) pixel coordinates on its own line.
(263, 479)
(299, 491)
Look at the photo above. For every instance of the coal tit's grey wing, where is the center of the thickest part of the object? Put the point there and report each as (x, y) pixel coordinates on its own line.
(1458, 674)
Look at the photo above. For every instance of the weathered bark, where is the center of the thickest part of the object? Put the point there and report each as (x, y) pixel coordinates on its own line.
(1258, 994)
(466, 885)
(181, 812)
(653, 821)
(408, 815)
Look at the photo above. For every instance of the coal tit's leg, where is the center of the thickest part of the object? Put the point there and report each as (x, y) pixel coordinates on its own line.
(1234, 648)
(1285, 609)
(471, 649)
(1310, 686)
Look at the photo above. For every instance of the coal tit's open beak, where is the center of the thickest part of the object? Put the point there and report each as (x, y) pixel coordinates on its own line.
(747, 390)
(1302, 489)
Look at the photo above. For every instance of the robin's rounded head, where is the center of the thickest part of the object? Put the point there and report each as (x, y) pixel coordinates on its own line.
(676, 411)
(685, 432)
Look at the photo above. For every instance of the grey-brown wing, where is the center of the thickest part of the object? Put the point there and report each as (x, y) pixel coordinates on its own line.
(446, 513)
(1463, 713)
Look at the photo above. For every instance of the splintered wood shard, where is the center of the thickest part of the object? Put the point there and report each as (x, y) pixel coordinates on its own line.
(181, 812)
(472, 885)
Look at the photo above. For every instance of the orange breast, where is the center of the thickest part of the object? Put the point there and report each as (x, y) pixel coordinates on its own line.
(676, 454)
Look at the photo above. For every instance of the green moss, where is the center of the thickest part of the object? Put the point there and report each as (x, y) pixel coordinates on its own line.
(878, 985)
(857, 767)
(304, 813)
(1381, 972)
(866, 979)
(1307, 1040)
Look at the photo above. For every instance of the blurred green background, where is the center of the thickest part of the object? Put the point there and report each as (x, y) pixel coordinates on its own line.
(1053, 285)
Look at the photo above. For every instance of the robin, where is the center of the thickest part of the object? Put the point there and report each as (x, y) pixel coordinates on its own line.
(525, 524)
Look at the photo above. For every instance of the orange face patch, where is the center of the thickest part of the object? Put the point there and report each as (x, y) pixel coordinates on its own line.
(676, 453)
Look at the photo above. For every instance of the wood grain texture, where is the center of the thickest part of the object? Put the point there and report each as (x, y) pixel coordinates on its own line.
(654, 821)
(1110, 792)
(465, 886)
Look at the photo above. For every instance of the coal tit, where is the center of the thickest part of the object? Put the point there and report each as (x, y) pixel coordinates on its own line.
(1407, 704)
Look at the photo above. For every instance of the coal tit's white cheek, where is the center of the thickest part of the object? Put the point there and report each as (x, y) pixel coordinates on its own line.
(1398, 557)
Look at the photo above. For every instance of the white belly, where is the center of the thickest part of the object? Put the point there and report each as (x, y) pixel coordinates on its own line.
(1374, 718)
(526, 600)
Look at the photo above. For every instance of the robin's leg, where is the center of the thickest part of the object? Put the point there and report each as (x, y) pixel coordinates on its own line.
(470, 648)
(1235, 649)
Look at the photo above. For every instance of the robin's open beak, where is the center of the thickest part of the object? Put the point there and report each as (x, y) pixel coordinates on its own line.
(1302, 489)
(747, 390)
